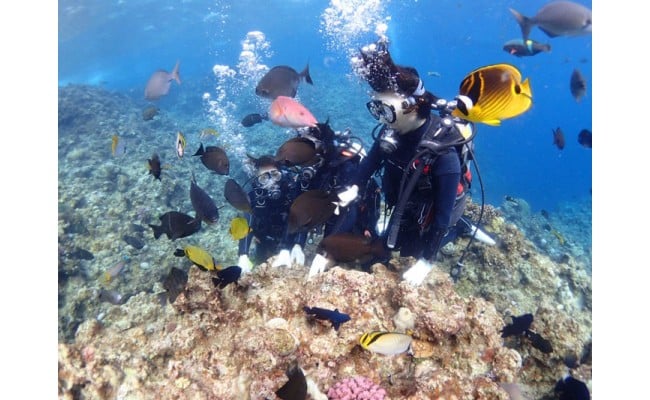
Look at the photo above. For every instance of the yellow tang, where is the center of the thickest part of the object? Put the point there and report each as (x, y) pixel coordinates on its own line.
(492, 93)
(239, 228)
(387, 343)
(199, 257)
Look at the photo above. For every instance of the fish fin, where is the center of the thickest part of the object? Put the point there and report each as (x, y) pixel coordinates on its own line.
(492, 122)
(305, 74)
(524, 22)
(175, 72)
(157, 230)
(200, 151)
(336, 325)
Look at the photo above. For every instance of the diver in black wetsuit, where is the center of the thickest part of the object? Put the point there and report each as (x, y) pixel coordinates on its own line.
(274, 189)
(424, 163)
(338, 156)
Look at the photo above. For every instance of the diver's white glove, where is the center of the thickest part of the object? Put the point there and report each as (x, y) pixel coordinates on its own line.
(245, 264)
(346, 197)
(283, 258)
(416, 274)
(317, 266)
(297, 255)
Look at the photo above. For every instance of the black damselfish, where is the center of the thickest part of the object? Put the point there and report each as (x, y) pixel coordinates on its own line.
(570, 388)
(538, 342)
(227, 276)
(334, 316)
(519, 325)
(296, 386)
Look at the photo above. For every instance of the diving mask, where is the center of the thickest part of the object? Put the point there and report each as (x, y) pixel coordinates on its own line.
(382, 111)
(269, 177)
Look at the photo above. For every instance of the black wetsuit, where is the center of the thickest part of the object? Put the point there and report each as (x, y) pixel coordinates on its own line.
(268, 220)
(428, 212)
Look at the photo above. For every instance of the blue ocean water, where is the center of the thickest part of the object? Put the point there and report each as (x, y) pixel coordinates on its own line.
(119, 44)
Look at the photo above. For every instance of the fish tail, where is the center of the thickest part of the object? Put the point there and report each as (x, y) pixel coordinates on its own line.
(525, 23)
(157, 230)
(175, 72)
(305, 74)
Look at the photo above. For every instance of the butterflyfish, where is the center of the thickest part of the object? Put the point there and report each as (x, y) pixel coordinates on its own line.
(387, 343)
(180, 144)
(199, 257)
(239, 228)
(493, 93)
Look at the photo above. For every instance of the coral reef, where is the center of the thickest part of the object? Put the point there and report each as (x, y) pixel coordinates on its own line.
(356, 388)
(237, 342)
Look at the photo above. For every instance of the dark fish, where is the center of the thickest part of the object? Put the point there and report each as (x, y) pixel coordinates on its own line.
(133, 241)
(544, 214)
(523, 48)
(493, 93)
(150, 112)
(265, 162)
(296, 387)
(80, 254)
(578, 85)
(252, 119)
(111, 296)
(215, 159)
(281, 80)
(512, 200)
(296, 151)
(584, 138)
(557, 18)
(175, 283)
(176, 225)
(160, 82)
(154, 166)
(334, 316)
(350, 247)
(519, 325)
(570, 388)
(538, 342)
(227, 276)
(558, 138)
(206, 209)
(311, 209)
(236, 196)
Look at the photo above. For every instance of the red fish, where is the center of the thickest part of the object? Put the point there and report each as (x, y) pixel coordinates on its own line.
(160, 82)
(288, 113)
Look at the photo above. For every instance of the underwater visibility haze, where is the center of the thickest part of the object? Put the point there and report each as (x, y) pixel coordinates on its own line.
(158, 113)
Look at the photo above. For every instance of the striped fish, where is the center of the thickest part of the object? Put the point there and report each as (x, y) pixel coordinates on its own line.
(387, 343)
(492, 93)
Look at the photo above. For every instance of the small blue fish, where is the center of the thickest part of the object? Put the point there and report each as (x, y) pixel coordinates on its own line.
(335, 317)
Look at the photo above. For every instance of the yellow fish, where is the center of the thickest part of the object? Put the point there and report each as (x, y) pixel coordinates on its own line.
(205, 133)
(387, 343)
(199, 257)
(118, 146)
(239, 228)
(180, 144)
(492, 93)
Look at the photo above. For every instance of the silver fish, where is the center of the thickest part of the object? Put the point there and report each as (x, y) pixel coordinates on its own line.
(557, 18)
(160, 82)
(281, 80)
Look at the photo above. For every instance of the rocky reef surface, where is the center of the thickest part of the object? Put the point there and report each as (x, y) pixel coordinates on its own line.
(237, 342)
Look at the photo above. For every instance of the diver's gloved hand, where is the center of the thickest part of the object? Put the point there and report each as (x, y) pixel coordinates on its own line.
(245, 264)
(317, 266)
(297, 255)
(416, 274)
(346, 197)
(283, 258)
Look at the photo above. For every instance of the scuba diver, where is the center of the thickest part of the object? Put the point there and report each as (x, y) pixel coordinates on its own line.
(273, 190)
(424, 157)
(338, 155)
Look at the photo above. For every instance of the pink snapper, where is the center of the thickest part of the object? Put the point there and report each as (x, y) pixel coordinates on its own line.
(289, 113)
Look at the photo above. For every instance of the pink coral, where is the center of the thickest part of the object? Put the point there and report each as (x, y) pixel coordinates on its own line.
(356, 388)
